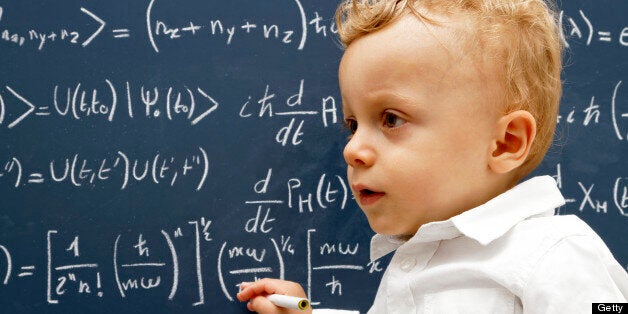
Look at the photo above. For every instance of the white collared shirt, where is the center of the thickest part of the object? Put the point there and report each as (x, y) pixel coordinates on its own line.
(509, 255)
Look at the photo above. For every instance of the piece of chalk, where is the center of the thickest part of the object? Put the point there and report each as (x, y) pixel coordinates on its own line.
(288, 301)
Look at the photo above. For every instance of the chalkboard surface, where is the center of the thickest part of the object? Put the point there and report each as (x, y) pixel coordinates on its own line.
(154, 154)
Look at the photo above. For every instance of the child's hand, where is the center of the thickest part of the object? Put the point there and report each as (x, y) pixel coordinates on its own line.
(256, 292)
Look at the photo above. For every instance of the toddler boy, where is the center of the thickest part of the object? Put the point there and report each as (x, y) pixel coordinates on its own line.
(450, 104)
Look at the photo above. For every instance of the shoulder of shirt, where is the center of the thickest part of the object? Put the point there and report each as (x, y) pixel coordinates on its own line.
(541, 234)
(553, 228)
(535, 237)
(528, 242)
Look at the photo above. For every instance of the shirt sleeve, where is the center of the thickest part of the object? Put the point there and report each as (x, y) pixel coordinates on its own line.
(574, 273)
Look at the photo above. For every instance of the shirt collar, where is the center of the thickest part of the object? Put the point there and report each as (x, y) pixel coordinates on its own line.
(538, 196)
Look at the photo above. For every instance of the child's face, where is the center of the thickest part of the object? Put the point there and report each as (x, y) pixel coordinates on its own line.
(423, 121)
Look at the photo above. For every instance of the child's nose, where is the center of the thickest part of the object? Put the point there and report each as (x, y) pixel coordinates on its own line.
(359, 151)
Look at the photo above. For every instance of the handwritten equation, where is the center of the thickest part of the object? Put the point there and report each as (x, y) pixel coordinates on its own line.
(80, 102)
(330, 192)
(582, 28)
(574, 26)
(596, 113)
(125, 170)
(155, 264)
(158, 29)
(193, 105)
(263, 106)
(594, 199)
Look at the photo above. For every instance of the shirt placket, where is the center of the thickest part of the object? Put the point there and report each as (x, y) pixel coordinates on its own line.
(403, 267)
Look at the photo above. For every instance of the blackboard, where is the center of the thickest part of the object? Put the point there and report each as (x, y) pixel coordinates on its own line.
(153, 154)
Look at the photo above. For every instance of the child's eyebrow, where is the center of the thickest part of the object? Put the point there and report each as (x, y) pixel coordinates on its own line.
(396, 99)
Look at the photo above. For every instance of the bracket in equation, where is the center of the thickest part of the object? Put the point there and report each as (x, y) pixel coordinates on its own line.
(137, 265)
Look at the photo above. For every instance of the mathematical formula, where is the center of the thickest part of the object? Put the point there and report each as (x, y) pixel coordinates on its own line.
(262, 106)
(154, 263)
(120, 170)
(581, 28)
(594, 199)
(160, 153)
(576, 26)
(112, 101)
(160, 29)
(79, 103)
(611, 112)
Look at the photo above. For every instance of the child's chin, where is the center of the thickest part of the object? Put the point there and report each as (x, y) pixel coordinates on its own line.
(383, 229)
(387, 231)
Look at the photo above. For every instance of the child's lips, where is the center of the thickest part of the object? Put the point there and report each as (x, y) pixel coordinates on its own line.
(368, 196)
(367, 199)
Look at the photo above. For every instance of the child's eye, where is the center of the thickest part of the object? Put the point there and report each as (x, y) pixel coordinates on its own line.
(352, 125)
(391, 120)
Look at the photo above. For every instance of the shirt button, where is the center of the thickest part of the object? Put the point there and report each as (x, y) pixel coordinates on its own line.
(407, 264)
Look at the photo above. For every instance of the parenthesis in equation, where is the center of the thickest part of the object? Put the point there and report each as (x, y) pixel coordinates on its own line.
(149, 29)
(114, 97)
(1, 109)
(221, 277)
(115, 266)
(154, 170)
(168, 103)
(73, 171)
(9, 264)
(319, 191)
(613, 111)
(126, 170)
(280, 258)
(616, 197)
(76, 90)
(346, 191)
(9, 168)
(589, 25)
(303, 25)
(205, 171)
(192, 104)
(175, 265)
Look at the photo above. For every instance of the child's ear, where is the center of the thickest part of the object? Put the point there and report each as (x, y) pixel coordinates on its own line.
(515, 133)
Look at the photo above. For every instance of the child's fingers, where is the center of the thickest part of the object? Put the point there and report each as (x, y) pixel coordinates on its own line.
(256, 292)
(260, 287)
(260, 304)
(268, 286)
(250, 290)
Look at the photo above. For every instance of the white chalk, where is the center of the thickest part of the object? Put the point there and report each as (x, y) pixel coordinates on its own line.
(288, 301)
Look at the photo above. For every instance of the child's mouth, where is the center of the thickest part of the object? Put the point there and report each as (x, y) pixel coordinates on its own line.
(369, 197)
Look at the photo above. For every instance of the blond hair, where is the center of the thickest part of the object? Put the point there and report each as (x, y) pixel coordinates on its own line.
(521, 36)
